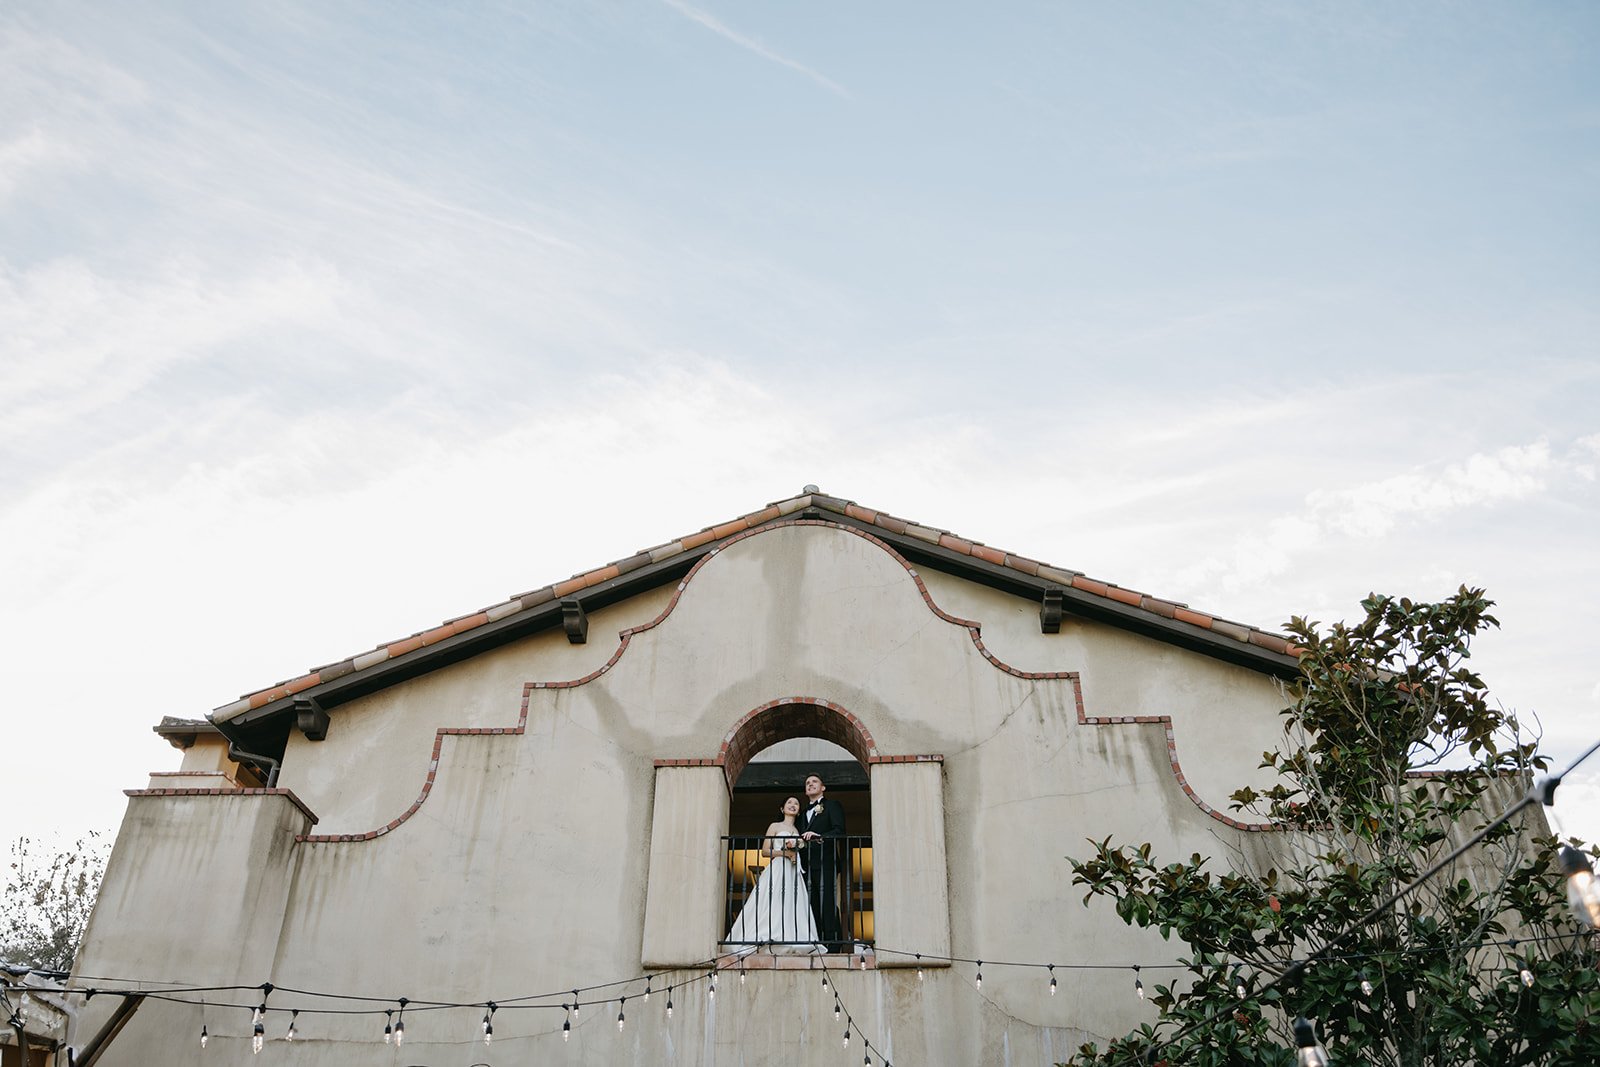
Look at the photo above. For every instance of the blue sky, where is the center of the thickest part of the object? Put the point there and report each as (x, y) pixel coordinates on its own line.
(320, 323)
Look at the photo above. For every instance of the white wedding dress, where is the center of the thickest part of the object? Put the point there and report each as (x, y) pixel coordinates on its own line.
(778, 914)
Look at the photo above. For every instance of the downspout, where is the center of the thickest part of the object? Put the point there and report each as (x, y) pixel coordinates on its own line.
(239, 755)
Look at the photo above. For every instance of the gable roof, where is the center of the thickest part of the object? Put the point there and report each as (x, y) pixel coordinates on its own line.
(269, 710)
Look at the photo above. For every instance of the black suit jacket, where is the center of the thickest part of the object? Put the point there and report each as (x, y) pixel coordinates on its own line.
(829, 822)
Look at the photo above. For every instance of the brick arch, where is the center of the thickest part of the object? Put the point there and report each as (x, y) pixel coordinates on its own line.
(788, 717)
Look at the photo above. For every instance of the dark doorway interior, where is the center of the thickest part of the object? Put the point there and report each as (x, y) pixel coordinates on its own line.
(759, 793)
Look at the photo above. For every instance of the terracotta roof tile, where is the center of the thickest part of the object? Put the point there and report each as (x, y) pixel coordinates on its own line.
(772, 512)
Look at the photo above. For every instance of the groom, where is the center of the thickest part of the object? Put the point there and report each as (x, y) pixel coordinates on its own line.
(822, 830)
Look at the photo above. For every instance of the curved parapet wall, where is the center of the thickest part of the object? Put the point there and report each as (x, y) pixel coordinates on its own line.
(758, 728)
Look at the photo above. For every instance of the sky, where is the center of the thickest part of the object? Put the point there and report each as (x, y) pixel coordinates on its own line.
(322, 323)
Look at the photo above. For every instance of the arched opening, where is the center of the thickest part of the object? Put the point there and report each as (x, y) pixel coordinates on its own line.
(767, 757)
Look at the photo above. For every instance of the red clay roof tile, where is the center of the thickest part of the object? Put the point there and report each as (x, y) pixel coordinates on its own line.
(876, 519)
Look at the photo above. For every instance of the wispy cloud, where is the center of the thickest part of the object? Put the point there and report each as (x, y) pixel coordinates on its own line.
(1509, 473)
(722, 29)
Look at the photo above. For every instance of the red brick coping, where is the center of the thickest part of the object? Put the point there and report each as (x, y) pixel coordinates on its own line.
(296, 801)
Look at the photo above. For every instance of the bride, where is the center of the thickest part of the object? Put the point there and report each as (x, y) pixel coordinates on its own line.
(778, 913)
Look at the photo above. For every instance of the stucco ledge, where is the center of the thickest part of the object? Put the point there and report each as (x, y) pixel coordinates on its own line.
(285, 793)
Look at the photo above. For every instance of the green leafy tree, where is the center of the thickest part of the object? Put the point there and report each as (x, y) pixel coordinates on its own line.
(1382, 709)
(47, 900)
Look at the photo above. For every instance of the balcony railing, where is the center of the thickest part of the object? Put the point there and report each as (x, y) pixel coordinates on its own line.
(774, 901)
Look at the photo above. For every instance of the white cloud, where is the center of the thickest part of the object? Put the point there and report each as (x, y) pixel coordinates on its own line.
(31, 155)
(721, 29)
(1373, 510)
(78, 341)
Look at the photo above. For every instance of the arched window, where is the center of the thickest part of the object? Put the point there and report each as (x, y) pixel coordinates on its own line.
(903, 887)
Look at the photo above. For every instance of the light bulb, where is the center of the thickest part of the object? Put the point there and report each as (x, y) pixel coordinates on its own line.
(847, 1037)
(488, 1030)
(1526, 976)
(741, 976)
(919, 974)
(620, 1022)
(977, 983)
(255, 1016)
(1366, 986)
(576, 1007)
(1052, 979)
(647, 990)
(258, 1038)
(1583, 891)
(863, 961)
(388, 1028)
(205, 1038)
(399, 1033)
(1308, 1053)
(836, 1010)
(566, 1026)
(291, 1033)
(669, 1004)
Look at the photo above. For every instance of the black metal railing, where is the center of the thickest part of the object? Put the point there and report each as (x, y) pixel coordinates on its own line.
(798, 897)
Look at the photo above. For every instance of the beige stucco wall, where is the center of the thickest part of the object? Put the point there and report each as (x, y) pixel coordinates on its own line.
(533, 862)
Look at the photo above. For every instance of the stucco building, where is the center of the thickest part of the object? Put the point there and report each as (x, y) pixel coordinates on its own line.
(538, 797)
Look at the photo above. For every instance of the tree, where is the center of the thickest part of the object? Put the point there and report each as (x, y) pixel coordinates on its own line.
(1480, 965)
(47, 902)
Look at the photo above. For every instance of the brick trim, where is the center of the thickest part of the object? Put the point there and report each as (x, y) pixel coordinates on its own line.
(197, 792)
(860, 743)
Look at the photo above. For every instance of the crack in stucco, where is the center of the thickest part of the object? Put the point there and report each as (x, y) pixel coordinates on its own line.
(1033, 691)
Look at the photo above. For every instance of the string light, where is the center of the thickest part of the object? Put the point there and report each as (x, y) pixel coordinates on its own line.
(669, 1002)
(621, 1020)
(1138, 984)
(576, 1007)
(847, 1033)
(1583, 892)
(837, 1008)
(400, 1024)
(1366, 985)
(977, 982)
(1307, 1052)
(205, 1038)
(388, 1027)
(711, 989)
(919, 966)
(291, 1033)
(1052, 979)
(741, 972)
(566, 1024)
(258, 1031)
(647, 989)
(1521, 961)
(488, 1022)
